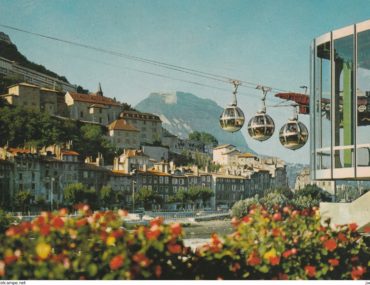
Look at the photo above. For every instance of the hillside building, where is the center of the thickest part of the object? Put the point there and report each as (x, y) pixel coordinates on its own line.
(149, 125)
(124, 135)
(12, 69)
(92, 107)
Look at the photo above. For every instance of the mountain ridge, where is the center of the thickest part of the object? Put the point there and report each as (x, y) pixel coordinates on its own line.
(183, 113)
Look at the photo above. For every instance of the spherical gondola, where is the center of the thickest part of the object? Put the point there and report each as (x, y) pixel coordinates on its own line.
(232, 118)
(261, 127)
(293, 135)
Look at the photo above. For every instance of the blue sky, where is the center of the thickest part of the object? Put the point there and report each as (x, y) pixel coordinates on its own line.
(261, 41)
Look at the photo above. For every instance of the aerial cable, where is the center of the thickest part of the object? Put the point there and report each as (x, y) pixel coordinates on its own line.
(208, 75)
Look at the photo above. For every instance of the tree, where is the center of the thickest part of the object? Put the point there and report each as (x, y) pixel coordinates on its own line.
(199, 193)
(203, 137)
(23, 200)
(205, 195)
(315, 193)
(74, 193)
(107, 196)
(147, 197)
(182, 196)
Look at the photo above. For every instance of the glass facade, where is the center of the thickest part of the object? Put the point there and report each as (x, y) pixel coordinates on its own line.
(340, 104)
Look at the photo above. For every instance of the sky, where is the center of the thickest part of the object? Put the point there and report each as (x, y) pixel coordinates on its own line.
(264, 42)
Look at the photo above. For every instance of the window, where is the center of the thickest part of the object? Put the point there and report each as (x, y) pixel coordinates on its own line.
(81, 114)
(100, 120)
(20, 176)
(33, 176)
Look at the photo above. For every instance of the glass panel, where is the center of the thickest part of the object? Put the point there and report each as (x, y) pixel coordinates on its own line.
(363, 98)
(322, 106)
(343, 90)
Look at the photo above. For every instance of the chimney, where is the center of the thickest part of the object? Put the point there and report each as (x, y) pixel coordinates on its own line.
(115, 164)
(144, 167)
(172, 167)
(166, 167)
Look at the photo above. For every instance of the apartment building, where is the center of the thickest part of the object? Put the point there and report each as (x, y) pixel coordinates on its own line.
(149, 125)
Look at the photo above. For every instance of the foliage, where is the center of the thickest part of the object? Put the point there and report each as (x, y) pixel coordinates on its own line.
(316, 193)
(273, 200)
(22, 200)
(10, 51)
(203, 137)
(107, 197)
(147, 197)
(287, 244)
(199, 193)
(77, 193)
(242, 207)
(5, 221)
(18, 125)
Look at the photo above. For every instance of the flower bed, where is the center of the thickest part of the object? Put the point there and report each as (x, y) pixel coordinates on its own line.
(287, 244)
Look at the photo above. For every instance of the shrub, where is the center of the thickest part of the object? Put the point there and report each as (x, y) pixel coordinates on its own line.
(242, 207)
(286, 244)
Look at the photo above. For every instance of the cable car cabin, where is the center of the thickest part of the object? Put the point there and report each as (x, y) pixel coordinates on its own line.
(261, 127)
(293, 135)
(232, 119)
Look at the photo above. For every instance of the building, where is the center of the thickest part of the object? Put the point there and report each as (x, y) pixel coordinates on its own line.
(132, 160)
(92, 107)
(35, 98)
(15, 70)
(124, 135)
(228, 189)
(149, 125)
(340, 104)
(158, 153)
(6, 182)
(225, 154)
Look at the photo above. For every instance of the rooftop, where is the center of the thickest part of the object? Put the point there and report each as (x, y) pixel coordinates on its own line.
(140, 116)
(93, 99)
(224, 146)
(122, 125)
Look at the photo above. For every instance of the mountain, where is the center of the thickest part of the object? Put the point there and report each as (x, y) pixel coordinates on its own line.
(182, 113)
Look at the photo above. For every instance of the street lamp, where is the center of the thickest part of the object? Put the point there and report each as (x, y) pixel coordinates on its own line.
(133, 172)
(51, 193)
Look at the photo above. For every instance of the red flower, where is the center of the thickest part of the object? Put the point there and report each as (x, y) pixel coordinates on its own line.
(253, 259)
(367, 229)
(153, 232)
(274, 260)
(235, 222)
(81, 222)
(116, 262)
(289, 252)
(158, 271)
(275, 232)
(118, 233)
(10, 259)
(342, 237)
(283, 276)
(310, 270)
(57, 222)
(235, 267)
(141, 259)
(333, 262)
(276, 217)
(352, 227)
(176, 229)
(214, 239)
(156, 221)
(247, 219)
(63, 212)
(357, 272)
(174, 248)
(330, 244)
(45, 230)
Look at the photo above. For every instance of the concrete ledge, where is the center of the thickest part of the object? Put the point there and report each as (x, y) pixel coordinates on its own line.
(345, 213)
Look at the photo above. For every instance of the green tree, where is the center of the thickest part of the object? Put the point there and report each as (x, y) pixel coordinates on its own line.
(203, 137)
(314, 192)
(74, 193)
(147, 197)
(205, 195)
(22, 201)
(182, 196)
(107, 197)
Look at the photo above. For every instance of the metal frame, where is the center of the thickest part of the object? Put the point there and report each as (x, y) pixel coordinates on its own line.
(355, 171)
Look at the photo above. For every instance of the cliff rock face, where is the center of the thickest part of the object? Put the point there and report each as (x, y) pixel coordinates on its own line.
(183, 113)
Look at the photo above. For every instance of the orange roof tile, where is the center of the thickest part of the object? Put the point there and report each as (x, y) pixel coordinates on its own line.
(93, 99)
(69, 152)
(122, 125)
(139, 116)
(18, 150)
(247, 155)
